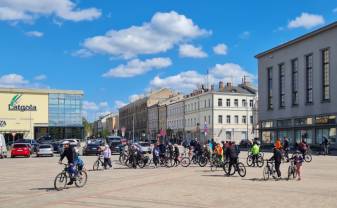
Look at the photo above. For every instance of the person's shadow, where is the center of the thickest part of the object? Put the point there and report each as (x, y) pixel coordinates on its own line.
(44, 189)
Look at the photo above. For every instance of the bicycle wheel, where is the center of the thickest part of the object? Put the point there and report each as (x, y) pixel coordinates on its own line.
(260, 162)
(307, 158)
(266, 173)
(226, 169)
(241, 169)
(185, 162)
(60, 181)
(141, 163)
(96, 165)
(250, 160)
(203, 161)
(81, 179)
(169, 162)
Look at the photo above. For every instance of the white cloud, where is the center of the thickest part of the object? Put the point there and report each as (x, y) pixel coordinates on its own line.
(136, 67)
(103, 104)
(29, 10)
(36, 34)
(220, 49)
(159, 35)
(190, 80)
(82, 53)
(245, 35)
(12, 81)
(87, 105)
(119, 104)
(306, 21)
(135, 97)
(188, 50)
(40, 77)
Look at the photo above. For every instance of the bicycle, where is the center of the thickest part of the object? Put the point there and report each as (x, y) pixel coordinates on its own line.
(216, 162)
(98, 163)
(259, 162)
(61, 179)
(269, 170)
(306, 156)
(238, 167)
(292, 174)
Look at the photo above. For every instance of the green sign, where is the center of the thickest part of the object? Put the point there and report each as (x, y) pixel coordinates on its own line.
(14, 106)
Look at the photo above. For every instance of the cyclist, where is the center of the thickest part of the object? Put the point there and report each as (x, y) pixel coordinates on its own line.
(78, 161)
(176, 154)
(69, 153)
(155, 155)
(233, 156)
(298, 161)
(107, 157)
(218, 152)
(278, 144)
(286, 148)
(277, 157)
(303, 147)
(255, 150)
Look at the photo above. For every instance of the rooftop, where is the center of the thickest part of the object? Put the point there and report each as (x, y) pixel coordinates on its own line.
(299, 39)
(41, 91)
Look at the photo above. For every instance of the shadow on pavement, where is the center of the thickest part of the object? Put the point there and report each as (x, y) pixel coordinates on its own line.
(224, 176)
(43, 189)
(262, 180)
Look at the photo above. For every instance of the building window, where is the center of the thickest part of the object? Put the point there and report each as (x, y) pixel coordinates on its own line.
(244, 119)
(220, 119)
(309, 78)
(228, 119)
(209, 119)
(244, 103)
(236, 119)
(205, 119)
(251, 103)
(251, 120)
(205, 104)
(228, 103)
(236, 103)
(294, 85)
(282, 85)
(326, 74)
(270, 87)
(220, 102)
(209, 103)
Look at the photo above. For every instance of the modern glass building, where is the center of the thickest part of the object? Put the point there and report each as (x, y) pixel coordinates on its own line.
(34, 113)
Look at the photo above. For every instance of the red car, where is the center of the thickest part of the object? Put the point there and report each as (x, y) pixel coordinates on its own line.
(20, 150)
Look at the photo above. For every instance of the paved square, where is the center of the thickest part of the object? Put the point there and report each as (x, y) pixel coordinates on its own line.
(29, 183)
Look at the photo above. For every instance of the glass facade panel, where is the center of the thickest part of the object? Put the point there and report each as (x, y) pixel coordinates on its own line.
(305, 134)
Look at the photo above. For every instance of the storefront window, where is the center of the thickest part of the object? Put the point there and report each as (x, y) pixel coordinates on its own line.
(267, 124)
(329, 133)
(304, 134)
(283, 134)
(268, 136)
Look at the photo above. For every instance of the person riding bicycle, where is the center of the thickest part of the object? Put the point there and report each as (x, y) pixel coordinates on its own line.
(233, 155)
(78, 162)
(176, 154)
(197, 149)
(298, 161)
(277, 157)
(278, 144)
(255, 150)
(107, 157)
(155, 154)
(69, 153)
(303, 147)
(286, 148)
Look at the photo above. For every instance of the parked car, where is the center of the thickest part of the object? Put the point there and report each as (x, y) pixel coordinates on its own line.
(145, 147)
(19, 149)
(32, 144)
(73, 142)
(113, 142)
(3, 147)
(45, 140)
(45, 150)
(91, 148)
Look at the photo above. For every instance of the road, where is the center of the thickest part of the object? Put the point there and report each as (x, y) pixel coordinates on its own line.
(29, 183)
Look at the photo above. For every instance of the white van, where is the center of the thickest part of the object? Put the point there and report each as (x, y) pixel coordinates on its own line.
(3, 147)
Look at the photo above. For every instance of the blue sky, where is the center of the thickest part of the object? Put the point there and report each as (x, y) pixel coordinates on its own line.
(117, 51)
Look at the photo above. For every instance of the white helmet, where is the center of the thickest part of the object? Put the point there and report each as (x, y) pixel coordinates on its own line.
(65, 142)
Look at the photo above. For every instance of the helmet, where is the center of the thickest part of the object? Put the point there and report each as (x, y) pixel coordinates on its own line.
(65, 142)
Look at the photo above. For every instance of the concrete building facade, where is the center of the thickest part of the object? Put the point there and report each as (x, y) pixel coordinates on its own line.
(298, 88)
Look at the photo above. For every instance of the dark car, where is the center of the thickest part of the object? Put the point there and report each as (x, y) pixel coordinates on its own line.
(45, 140)
(91, 148)
(113, 142)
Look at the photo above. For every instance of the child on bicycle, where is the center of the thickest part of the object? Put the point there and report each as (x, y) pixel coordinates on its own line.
(298, 161)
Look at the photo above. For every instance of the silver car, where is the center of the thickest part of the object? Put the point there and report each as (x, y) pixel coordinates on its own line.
(45, 150)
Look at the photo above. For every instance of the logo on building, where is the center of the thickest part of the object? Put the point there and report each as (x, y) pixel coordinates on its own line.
(3, 123)
(14, 106)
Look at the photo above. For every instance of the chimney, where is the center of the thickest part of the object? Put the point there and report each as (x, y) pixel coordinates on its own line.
(221, 86)
(229, 84)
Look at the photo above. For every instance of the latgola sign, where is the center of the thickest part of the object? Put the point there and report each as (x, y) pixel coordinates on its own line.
(14, 106)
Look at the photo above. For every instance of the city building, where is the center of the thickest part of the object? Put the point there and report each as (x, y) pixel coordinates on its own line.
(33, 113)
(134, 116)
(153, 121)
(298, 88)
(175, 119)
(222, 114)
(107, 125)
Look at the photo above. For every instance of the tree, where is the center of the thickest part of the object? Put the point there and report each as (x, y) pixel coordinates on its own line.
(87, 127)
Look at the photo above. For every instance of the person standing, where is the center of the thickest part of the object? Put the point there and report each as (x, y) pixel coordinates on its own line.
(277, 157)
(298, 161)
(326, 144)
(233, 157)
(255, 153)
(107, 157)
(286, 148)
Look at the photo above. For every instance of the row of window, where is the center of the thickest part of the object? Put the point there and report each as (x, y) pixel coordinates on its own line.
(236, 103)
(309, 79)
(236, 119)
(197, 105)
